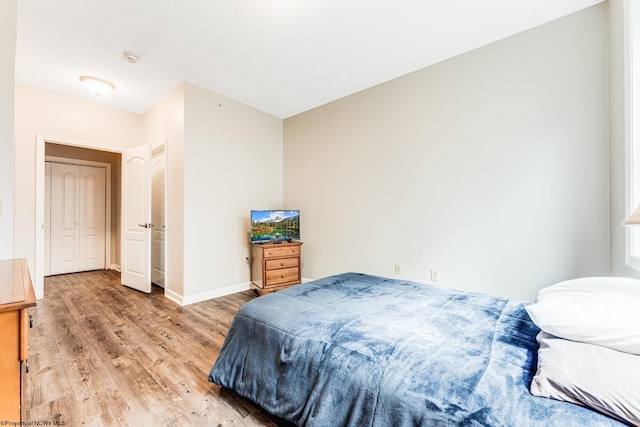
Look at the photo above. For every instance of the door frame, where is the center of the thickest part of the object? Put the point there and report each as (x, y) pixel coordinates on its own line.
(39, 178)
(41, 139)
(107, 206)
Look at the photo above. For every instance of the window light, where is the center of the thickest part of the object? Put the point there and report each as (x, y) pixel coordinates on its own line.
(633, 218)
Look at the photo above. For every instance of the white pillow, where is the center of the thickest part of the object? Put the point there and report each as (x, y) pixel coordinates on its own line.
(602, 379)
(596, 310)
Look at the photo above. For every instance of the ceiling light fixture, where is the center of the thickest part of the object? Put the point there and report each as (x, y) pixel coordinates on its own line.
(96, 85)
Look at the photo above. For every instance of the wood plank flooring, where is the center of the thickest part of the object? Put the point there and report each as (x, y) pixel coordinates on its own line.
(102, 354)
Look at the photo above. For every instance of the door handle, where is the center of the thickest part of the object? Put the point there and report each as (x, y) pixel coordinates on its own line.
(145, 225)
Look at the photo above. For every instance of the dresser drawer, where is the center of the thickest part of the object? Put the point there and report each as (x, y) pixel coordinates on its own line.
(16, 296)
(274, 252)
(275, 264)
(283, 275)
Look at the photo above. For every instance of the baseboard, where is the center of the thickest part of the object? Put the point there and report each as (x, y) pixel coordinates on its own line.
(173, 296)
(216, 293)
(115, 267)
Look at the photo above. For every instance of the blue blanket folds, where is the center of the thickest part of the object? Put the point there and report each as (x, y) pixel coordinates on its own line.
(360, 350)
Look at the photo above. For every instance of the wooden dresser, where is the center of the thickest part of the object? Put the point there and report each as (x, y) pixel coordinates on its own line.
(275, 266)
(16, 296)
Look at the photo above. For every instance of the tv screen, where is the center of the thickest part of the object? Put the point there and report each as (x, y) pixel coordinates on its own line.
(275, 226)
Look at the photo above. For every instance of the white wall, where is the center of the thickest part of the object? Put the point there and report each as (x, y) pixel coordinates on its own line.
(8, 20)
(232, 164)
(61, 117)
(491, 167)
(164, 124)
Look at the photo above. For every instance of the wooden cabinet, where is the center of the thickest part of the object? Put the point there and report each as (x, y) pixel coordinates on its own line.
(16, 296)
(275, 266)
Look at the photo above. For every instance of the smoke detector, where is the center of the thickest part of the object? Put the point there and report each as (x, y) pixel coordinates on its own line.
(130, 57)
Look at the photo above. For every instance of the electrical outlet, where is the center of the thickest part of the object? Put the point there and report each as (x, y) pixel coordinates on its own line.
(398, 269)
(435, 275)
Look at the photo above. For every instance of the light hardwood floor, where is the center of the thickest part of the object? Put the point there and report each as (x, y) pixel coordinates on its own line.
(102, 354)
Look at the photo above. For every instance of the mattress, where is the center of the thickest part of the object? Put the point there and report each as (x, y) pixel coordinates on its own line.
(362, 350)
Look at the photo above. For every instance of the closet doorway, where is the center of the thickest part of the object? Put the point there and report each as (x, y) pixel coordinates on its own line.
(75, 216)
(86, 198)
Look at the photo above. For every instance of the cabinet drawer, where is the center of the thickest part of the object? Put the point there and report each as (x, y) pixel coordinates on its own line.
(275, 264)
(282, 251)
(283, 275)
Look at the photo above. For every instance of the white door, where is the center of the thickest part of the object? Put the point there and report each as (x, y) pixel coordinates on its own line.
(77, 218)
(65, 208)
(136, 217)
(157, 218)
(92, 218)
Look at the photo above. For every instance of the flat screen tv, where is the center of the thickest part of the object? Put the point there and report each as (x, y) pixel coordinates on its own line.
(275, 226)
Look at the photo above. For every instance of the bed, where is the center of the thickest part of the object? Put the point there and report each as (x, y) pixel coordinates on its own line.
(361, 350)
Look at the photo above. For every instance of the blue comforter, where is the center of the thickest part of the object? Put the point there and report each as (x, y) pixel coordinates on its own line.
(359, 350)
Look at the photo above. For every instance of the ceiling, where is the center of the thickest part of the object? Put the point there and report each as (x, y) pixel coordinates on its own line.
(282, 57)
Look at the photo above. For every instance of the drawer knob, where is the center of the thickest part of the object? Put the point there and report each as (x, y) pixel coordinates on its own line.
(282, 263)
(282, 276)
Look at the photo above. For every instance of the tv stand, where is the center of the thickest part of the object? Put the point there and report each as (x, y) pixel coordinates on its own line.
(275, 266)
